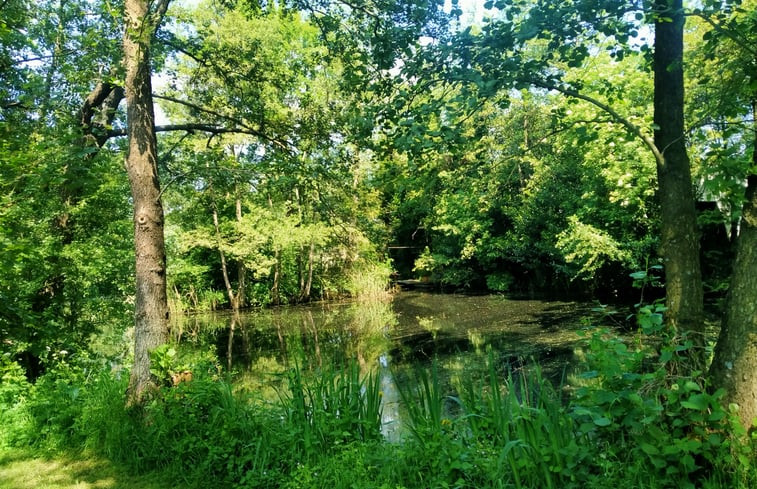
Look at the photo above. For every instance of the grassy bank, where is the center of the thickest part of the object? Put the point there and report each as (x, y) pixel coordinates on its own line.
(28, 469)
(623, 421)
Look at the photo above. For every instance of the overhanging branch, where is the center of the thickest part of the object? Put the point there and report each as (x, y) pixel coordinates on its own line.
(630, 126)
(742, 41)
(239, 126)
(198, 127)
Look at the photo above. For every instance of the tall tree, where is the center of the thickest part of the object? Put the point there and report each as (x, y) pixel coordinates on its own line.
(680, 237)
(731, 48)
(142, 19)
(733, 366)
(54, 181)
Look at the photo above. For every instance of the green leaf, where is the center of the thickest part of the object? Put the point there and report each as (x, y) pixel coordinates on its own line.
(649, 449)
(698, 402)
(602, 421)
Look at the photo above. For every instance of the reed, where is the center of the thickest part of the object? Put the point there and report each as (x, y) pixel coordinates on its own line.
(335, 407)
(370, 282)
(523, 418)
(424, 405)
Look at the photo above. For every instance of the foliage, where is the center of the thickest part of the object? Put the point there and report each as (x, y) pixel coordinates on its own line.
(310, 141)
(295, 214)
(514, 197)
(14, 410)
(588, 248)
(370, 282)
(626, 424)
(628, 398)
(337, 408)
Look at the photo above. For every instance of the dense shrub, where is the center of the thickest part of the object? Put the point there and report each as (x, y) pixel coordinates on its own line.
(626, 420)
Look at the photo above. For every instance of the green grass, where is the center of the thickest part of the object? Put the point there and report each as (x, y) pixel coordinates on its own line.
(25, 469)
(506, 430)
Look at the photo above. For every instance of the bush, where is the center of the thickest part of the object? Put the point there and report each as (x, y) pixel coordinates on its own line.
(14, 414)
(370, 281)
(671, 426)
(629, 422)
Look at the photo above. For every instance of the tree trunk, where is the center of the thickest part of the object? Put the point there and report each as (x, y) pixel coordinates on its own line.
(60, 29)
(151, 307)
(309, 280)
(241, 269)
(235, 319)
(680, 238)
(224, 267)
(734, 366)
(275, 294)
(300, 269)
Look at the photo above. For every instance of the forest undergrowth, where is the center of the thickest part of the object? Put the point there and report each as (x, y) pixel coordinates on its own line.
(625, 418)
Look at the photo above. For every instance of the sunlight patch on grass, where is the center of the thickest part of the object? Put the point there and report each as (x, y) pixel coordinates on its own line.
(25, 470)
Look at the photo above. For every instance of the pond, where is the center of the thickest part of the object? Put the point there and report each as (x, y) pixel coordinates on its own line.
(457, 334)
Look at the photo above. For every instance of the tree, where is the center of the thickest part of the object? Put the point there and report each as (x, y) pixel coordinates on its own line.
(142, 19)
(56, 181)
(568, 30)
(733, 365)
(680, 235)
(298, 167)
(535, 193)
(730, 47)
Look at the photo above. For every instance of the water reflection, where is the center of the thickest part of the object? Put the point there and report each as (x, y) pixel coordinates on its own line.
(390, 402)
(393, 339)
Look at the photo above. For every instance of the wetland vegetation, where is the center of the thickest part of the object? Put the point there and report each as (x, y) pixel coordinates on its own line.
(207, 206)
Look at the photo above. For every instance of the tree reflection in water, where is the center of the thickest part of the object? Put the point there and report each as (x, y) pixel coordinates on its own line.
(393, 339)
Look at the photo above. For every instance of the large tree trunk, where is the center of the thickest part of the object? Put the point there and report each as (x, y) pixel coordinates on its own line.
(734, 366)
(680, 237)
(151, 307)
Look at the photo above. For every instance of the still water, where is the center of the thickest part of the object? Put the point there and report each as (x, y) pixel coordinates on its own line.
(455, 333)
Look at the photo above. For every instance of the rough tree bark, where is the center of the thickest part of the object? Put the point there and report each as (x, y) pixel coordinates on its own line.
(151, 307)
(680, 237)
(734, 366)
(98, 111)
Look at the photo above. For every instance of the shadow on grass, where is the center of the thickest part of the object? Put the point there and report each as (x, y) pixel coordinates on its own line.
(21, 469)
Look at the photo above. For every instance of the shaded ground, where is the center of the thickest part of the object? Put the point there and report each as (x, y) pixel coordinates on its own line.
(26, 470)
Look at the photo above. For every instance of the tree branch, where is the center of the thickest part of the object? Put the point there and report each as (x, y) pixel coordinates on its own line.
(199, 108)
(243, 128)
(160, 11)
(209, 128)
(630, 126)
(13, 104)
(99, 110)
(741, 41)
(171, 41)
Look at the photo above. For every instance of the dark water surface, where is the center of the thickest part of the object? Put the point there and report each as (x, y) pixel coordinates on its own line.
(456, 333)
